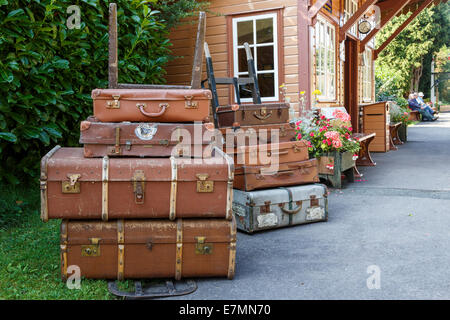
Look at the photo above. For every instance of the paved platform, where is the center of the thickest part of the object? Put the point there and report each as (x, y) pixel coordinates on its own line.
(397, 220)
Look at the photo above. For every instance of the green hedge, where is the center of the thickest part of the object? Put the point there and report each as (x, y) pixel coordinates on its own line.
(47, 70)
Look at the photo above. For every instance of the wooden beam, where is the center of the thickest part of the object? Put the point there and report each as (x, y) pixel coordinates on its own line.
(355, 17)
(113, 65)
(396, 8)
(315, 8)
(198, 54)
(304, 47)
(425, 4)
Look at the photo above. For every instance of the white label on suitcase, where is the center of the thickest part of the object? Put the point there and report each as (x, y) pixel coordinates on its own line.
(267, 220)
(146, 131)
(239, 210)
(315, 213)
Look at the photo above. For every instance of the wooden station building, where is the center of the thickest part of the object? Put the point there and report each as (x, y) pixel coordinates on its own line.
(304, 44)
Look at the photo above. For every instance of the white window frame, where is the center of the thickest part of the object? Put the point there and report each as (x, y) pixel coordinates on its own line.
(326, 95)
(350, 7)
(367, 79)
(236, 72)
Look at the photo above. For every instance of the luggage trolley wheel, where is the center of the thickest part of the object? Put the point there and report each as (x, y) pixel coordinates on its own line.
(157, 289)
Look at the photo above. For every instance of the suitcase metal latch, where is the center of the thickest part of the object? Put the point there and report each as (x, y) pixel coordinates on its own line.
(190, 104)
(203, 185)
(203, 248)
(139, 186)
(73, 185)
(114, 104)
(91, 250)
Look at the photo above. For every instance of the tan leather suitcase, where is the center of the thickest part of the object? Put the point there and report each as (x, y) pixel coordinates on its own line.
(139, 249)
(75, 187)
(143, 139)
(248, 178)
(264, 154)
(252, 114)
(249, 135)
(151, 105)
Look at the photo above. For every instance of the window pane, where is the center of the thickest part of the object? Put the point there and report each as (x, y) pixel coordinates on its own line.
(245, 32)
(242, 59)
(264, 30)
(265, 58)
(245, 91)
(266, 82)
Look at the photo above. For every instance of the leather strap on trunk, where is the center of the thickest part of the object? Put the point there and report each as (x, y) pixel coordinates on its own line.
(105, 177)
(179, 248)
(120, 249)
(230, 165)
(173, 189)
(63, 249)
(232, 257)
(43, 182)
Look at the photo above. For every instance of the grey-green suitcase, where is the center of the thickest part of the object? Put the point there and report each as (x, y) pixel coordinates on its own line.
(280, 207)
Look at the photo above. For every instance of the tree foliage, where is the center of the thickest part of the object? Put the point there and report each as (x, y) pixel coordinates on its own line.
(48, 70)
(408, 52)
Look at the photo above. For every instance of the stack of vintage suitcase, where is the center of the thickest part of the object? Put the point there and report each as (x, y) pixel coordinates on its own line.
(275, 182)
(142, 200)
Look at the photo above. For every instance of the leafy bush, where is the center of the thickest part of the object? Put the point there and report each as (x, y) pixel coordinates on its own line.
(48, 70)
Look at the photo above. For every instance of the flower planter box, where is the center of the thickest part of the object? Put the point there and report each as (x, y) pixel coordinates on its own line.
(333, 164)
(403, 132)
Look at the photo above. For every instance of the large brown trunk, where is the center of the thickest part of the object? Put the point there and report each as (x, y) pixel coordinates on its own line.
(75, 187)
(149, 248)
(151, 105)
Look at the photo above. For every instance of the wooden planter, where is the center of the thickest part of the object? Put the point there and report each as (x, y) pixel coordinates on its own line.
(342, 162)
(403, 132)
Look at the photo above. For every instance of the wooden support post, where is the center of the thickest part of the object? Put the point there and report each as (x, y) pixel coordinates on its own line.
(355, 17)
(113, 63)
(397, 6)
(425, 4)
(304, 50)
(198, 54)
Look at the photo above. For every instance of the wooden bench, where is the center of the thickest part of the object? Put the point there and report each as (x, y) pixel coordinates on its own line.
(394, 139)
(414, 115)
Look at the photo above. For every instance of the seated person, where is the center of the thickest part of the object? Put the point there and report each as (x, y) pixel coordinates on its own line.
(419, 99)
(415, 106)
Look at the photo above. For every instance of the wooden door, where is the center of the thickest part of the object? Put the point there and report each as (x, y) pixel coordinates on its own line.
(351, 82)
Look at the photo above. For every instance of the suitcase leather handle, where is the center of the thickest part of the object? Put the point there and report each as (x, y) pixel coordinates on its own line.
(293, 211)
(163, 107)
(278, 174)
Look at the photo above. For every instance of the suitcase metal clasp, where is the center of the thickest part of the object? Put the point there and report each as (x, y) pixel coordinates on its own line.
(191, 104)
(114, 104)
(203, 248)
(139, 186)
(73, 185)
(91, 250)
(203, 185)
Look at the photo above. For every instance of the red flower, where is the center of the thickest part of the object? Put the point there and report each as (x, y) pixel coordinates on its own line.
(312, 134)
(350, 129)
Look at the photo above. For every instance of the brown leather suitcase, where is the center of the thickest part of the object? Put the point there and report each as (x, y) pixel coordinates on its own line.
(252, 114)
(151, 105)
(134, 139)
(249, 135)
(142, 249)
(264, 154)
(248, 178)
(75, 187)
